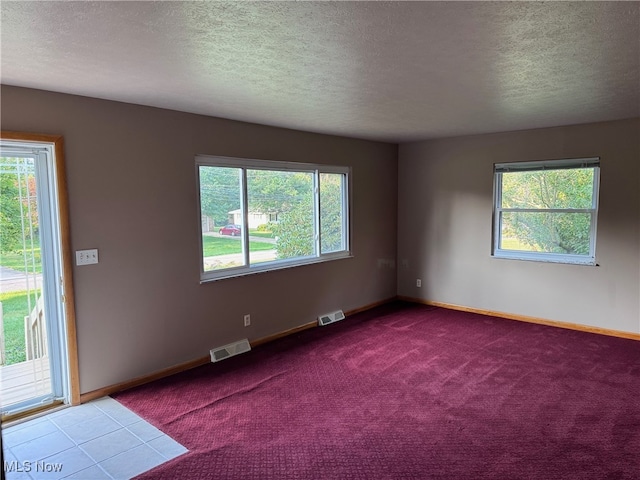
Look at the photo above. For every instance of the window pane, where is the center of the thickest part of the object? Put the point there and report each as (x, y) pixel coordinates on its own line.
(566, 233)
(281, 205)
(548, 189)
(331, 212)
(221, 216)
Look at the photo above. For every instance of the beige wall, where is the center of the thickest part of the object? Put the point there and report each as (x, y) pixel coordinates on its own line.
(444, 227)
(132, 193)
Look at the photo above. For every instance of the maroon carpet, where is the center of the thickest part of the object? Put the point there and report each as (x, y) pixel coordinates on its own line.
(407, 392)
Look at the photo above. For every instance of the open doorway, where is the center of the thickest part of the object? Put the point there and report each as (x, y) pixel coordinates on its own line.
(38, 356)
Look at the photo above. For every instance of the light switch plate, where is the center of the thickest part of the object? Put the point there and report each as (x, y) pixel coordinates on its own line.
(86, 257)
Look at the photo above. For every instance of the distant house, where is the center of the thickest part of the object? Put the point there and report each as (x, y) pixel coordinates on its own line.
(255, 218)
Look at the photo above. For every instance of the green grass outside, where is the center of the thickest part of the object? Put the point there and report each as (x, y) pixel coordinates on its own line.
(15, 307)
(15, 261)
(255, 233)
(214, 246)
(515, 244)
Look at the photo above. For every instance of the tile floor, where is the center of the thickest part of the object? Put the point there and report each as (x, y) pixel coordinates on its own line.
(99, 440)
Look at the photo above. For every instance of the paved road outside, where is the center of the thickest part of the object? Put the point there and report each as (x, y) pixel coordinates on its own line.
(252, 238)
(12, 280)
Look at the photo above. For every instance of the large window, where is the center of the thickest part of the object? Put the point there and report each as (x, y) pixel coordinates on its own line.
(546, 210)
(260, 215)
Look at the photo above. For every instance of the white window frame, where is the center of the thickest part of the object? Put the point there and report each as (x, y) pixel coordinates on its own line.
(43, 154)
(500, 168)
(245, 164)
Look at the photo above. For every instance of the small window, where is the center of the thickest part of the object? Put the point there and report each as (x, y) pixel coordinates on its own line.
(546, 211)
(260, 215)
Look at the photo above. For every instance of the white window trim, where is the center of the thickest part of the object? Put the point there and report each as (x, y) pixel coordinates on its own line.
(254, 164)
(43, 154)
(499, 168)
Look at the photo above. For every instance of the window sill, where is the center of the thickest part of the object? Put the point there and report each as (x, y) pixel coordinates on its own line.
(547, 258)
(206, 277)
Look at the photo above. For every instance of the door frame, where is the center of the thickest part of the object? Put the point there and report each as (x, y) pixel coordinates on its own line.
(68, 298)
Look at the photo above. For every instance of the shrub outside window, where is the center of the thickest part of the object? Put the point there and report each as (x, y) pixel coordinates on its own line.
(546, 210)
(259, 215)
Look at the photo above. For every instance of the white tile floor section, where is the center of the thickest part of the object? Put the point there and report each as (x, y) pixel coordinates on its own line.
(99, 440)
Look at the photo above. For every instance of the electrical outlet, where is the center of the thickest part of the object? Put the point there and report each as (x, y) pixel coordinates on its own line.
(86, 257)
(418, 283)
(247, 320)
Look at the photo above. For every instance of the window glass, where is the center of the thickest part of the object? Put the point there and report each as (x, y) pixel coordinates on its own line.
(546, 210)
(287, 196)
(260, 215)
(565, 233)
(548, 189)
(332, 227)
(221, 217)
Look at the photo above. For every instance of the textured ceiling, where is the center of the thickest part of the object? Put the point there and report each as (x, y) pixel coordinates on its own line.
(391, 71)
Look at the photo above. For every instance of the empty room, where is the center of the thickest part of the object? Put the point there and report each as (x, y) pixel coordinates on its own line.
(305, 240)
